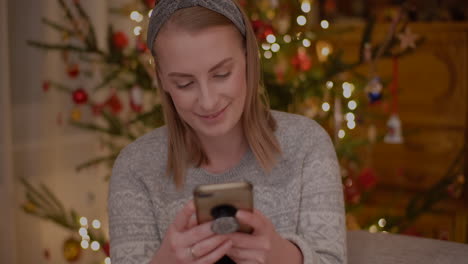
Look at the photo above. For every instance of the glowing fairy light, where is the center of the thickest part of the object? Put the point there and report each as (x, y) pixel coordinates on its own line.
(341, 133)
(301, 20)
(382, 222)
(350, 117)
(352, 105)
(271, 38)
(329, 84)
(306, 43)
(84, 244)
(137, 30)
(347, 89)
(136, 16)
(83, 232)
(268, 54)
(324, 24)
(266, 46)
(351, 124)
(83, 221)
(305, 6)
(275, 47)
(287, 38)
(326, 107)
(95, 245)
(96, 224)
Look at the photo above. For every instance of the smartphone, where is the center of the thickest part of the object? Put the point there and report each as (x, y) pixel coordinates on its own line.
(226, 197)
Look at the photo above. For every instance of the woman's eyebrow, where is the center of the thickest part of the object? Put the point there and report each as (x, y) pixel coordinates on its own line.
(219, 64)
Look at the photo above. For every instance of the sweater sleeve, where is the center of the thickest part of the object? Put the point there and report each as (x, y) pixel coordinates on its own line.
(321, 231)
(132, 227)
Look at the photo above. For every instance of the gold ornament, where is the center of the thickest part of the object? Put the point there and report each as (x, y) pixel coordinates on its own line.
(71, 249)
(76, 114)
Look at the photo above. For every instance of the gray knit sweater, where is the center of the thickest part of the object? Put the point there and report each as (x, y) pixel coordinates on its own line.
(302, 195)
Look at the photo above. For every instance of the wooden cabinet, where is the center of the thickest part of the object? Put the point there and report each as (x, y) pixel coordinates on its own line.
(433, 107)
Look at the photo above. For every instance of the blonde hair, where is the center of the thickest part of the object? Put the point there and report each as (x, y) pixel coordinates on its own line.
(257, 121)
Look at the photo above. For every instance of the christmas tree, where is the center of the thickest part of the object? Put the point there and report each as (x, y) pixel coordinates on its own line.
(302, 71)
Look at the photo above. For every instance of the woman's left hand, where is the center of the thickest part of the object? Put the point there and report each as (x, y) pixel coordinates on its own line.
(264, 245)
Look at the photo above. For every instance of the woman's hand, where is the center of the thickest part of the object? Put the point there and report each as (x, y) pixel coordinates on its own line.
(186, 242)
(264, 245)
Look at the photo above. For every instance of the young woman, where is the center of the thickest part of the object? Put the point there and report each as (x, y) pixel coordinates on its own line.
(220, 129)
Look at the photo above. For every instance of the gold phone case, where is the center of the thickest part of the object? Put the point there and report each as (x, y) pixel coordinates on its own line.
(236, 194)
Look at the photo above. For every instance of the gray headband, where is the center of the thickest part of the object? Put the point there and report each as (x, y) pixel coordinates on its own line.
(165, 8)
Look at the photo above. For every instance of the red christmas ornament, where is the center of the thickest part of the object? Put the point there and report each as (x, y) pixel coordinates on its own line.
(106, 249)
(141, 45)
(150, 3)
(367, 179)
(114, 103)
(301, 61)
(80, 96)
(262, 29)
(45, 86)
(120, 40)
(73, 70)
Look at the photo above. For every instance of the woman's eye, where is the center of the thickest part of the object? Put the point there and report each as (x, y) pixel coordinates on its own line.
(183, 85)
(223, 75)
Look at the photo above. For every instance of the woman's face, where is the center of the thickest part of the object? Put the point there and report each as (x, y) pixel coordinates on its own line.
(205, 75)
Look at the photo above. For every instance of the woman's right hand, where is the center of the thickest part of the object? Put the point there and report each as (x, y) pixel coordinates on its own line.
(186, 242)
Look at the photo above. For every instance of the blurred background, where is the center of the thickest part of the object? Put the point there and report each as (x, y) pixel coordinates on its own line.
(387, 79)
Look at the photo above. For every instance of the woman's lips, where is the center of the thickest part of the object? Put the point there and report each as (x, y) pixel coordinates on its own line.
(214, 115)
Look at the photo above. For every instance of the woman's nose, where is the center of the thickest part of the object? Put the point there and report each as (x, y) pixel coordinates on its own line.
(208, 98)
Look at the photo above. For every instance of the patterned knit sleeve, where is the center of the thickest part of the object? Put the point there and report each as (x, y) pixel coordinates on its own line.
(321, 232)
(132, 227)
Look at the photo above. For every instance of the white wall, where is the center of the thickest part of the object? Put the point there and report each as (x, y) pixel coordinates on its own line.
(33, 144)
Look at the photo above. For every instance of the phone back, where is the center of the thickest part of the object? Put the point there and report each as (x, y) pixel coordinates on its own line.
(238, 195)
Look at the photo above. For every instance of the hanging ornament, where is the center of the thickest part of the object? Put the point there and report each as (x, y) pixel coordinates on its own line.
(45, 86)
(114, 103)
(76, 114)
(407, 39)
(71, 249)
(374, 89)
(120, 40)
(73, 70)
(141, 45)
(262, 29)
(106, 249)
(367, 179)
(80, 96)
(301, 61)
(394, 132)
(150, 3)
(136, 98)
